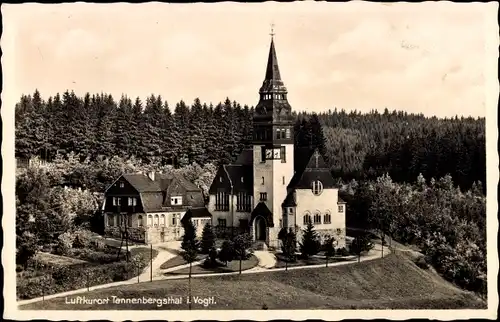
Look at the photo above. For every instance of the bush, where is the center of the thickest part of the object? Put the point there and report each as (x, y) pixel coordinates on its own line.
(420, 262)
(83, 238)
(342, 252)
(65, 243)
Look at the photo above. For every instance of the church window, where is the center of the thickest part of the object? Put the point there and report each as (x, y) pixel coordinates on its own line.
(221, 201)
(140, 223)
(278, 134)
(341, 208)
(243, 202)
(150, 219)
(162, 220)
(156, 220)
(287, 133)
(317, 218)
(262, 154)
(263, 196)
(283, 180)
(327, 218)
(262, 180)
(283, 154)
(290, 211)
(317, 187)
(307, 218)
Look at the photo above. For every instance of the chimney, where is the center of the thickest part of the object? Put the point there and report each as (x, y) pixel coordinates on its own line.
(151, 175)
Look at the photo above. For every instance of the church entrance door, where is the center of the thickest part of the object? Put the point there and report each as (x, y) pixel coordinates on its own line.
(260, 228)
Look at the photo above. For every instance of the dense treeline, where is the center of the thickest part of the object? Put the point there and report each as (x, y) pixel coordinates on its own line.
(447, 225)
(359, 146)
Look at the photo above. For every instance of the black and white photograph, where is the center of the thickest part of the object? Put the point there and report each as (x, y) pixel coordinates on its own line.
(250, 160)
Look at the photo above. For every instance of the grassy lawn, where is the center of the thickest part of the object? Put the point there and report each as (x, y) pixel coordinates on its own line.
(178, 260)
(233, 266)
(390, 283)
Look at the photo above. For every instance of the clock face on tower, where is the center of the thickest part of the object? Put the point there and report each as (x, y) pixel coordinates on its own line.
(273, 154)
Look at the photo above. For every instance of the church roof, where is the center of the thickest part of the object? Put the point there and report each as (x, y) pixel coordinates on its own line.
(314, 169)
(289, 200)
(272, 70)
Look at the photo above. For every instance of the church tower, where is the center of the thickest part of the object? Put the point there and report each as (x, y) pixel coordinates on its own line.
(273, 151)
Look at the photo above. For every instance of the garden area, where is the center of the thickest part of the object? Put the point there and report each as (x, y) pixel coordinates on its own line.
(76, 261)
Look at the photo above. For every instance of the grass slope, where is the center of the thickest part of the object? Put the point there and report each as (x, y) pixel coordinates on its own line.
(394, 282)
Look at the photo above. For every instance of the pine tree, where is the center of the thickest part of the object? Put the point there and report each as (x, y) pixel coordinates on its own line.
(207, 239)
(310, 242)
(289, 247)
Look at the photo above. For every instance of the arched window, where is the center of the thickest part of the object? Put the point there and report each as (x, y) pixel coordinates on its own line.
(139, 221)
(327, 217)
(162, 220)
(156, 221)
(317, 218)
(111, 220)
(150, 221)
(278, 134)
(307, 218)
(317, 187)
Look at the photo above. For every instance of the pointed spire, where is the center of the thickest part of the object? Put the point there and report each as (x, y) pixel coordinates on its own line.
(272, 71)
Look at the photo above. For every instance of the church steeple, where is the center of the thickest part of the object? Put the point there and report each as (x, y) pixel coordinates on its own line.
(273, 112)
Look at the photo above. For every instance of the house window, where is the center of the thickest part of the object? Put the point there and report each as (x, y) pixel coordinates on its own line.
(116, 201)
(150, 221)
(307, 219)
(287, 133)
(263, 196)
(222, 222)
(243, 202)
(262, 180)
(156, 221)
(327, 218)
(241, 179)
(110, 220)
(283, 154)
(222, 201)
(139, 221)
(176, 201)
(122, 184)
(220, 179)
(278, 134)
(162, 220)
(341, 208)
(174, 220)
(317, 218)
(317, 187)
(132, 201)
(283, 180)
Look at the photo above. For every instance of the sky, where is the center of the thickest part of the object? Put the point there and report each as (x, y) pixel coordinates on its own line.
(430, 58)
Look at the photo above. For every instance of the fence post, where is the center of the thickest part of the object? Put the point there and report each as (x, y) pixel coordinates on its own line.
(151, 262)
(88, 283)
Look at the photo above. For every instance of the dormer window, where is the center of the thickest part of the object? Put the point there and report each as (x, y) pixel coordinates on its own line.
(122, 184)
(317, 187)
(176, 201)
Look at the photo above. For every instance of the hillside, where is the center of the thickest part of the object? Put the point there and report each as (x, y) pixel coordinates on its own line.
(394, 282)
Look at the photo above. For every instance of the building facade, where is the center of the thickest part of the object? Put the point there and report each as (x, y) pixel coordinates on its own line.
(150, 208)
(274, 185)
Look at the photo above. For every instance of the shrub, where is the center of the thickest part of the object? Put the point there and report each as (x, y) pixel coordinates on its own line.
(65, 243)
(420, 262)
(342, 252)
(83, 238)
(207, 239)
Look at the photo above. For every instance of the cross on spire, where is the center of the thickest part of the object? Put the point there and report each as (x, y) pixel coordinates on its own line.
(316, 155)
(272, 30)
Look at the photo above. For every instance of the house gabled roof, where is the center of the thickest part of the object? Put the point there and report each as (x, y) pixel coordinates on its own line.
(232, 175)
(201, 212)
(142, 182)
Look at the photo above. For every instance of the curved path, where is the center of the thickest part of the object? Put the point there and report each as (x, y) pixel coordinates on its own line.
(266, 262)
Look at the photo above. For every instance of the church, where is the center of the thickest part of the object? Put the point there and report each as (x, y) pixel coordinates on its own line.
(274, 185)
